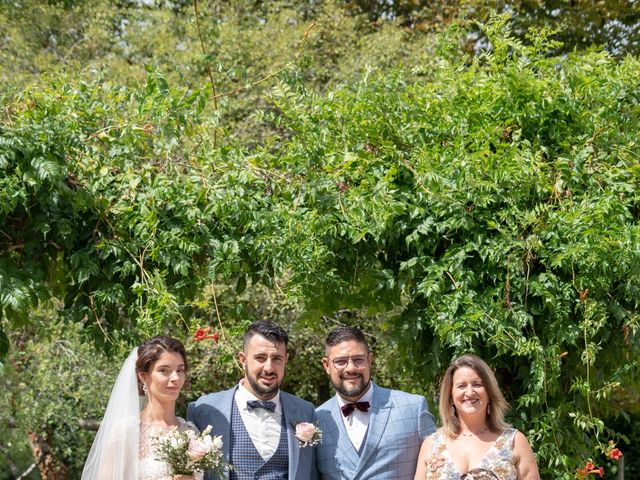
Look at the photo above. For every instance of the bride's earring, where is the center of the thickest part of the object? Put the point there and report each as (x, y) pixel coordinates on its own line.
(145, 389)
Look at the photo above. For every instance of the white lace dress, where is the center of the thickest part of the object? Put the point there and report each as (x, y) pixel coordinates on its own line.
(149, 467)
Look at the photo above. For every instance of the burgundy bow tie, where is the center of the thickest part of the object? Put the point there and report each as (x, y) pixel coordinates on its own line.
(348, 408)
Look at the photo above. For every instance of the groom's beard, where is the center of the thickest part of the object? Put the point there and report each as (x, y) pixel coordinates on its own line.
(354, 391)
(264, 393)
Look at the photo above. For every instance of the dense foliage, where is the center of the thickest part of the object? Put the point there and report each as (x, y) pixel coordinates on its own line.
(498, 204)
(484, 202)
(53, 387)
(247, 40)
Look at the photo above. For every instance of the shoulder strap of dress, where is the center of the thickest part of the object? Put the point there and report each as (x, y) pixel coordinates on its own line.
(437, 440)
(509, 435)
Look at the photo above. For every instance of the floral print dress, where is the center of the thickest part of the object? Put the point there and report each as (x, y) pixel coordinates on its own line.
(498, 459)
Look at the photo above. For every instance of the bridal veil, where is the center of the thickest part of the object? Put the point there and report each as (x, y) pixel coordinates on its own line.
(114, 453)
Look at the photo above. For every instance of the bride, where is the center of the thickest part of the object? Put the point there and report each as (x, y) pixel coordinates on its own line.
(141, 408)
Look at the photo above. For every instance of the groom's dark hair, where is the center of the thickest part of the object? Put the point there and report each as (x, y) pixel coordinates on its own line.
(345, 334)
(268, 330)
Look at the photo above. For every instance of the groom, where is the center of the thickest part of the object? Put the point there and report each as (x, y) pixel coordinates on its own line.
(255, 418)
(369, 432)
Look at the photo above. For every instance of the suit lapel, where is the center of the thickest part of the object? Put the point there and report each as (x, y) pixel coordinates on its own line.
(225, 406)
(380, 410)
(291, 416)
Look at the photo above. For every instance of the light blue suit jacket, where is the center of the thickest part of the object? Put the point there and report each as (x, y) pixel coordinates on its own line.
(215, 410)
(398, 424)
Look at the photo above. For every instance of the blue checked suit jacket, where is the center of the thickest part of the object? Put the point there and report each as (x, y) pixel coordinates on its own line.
(215, 409)
(398, 424)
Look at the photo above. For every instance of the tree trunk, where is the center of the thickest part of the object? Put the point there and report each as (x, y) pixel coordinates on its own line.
(48, 465)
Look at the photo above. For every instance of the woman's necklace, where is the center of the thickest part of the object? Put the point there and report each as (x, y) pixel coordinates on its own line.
(474, 434)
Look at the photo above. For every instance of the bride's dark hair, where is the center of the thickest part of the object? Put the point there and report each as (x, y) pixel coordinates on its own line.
(151, 350)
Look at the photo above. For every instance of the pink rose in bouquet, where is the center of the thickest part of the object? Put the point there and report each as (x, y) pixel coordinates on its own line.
(197, 449)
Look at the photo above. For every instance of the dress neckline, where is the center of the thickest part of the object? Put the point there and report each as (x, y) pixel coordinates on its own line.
(157, 426)
(453, 463)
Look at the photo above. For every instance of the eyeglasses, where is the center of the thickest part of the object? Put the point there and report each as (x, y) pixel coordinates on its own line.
(359, 361)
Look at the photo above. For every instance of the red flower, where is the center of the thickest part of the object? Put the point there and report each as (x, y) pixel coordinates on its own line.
(202, 334)
(615, 454)
(588, 469)
(148, 128)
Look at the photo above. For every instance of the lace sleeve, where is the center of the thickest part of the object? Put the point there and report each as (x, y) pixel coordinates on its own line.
(185, 425)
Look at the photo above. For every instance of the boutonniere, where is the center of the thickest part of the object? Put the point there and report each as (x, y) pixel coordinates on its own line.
(307, 434)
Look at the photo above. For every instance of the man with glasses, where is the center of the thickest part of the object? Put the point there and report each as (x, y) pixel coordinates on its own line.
(369, 432)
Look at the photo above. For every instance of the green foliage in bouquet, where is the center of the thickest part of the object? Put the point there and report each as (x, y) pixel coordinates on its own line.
(187, 452)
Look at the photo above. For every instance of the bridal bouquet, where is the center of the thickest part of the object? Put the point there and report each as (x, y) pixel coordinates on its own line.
(186, 452)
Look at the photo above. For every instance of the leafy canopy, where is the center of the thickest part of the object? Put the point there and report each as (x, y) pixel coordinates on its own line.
(491, 205)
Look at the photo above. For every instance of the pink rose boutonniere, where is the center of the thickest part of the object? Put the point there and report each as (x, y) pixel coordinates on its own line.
(308, 434)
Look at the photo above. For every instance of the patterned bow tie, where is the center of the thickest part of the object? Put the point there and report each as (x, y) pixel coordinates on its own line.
(348, 408)
(267, 405)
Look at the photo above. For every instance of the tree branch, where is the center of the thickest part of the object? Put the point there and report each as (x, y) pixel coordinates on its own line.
(27, 471)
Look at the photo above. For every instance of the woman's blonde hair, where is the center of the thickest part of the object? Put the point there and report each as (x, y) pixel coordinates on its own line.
(496, 407)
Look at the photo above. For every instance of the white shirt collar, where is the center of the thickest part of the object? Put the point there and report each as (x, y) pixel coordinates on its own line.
(243, 395)
(357, 423)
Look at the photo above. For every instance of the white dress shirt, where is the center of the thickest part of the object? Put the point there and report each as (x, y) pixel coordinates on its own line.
(358, 422)
(263, 426)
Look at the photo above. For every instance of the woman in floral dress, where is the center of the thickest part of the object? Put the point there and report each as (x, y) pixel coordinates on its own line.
(474, 442)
